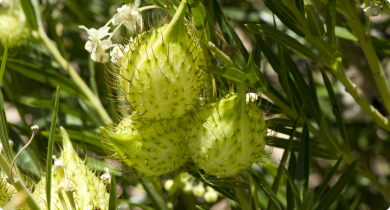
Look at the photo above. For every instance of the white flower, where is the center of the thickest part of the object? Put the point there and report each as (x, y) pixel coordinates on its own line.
(130, 15)
(106, 177)
(95, 36)
(251, 97)
(168, 184)
(117, 53)
(99, 54)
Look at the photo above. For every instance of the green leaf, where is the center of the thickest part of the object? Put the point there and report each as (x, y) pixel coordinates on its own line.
(316, 26)
(291, 169)
(228, 72)
(332, 195)
(284, 79)
(303, 162)
(113, 201)
(230, 35)
(304, 90)
(315, 149)
(285, 12)
(154, 195)
(300, 5)
(46, 76)
(203, 24)
(283, 38)
(312, 87)
(278, 177)
(294, 188)
(336, 108)
(329, 139)
(50, 149)
(262, 184)
(28, 10)
(308, 201)
(327, 51)
(201, 208)
(328, 177)
(3, 121)
(255, 76)
(331, 21)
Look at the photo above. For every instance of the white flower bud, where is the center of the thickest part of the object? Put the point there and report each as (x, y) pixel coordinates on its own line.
(168, 184)
(89, 46)
(187, 187)
(211, 196)
(198, 190)
(106, 177)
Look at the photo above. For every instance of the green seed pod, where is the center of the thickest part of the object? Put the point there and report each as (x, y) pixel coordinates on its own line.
(231, 137)
(161, 75)
(71, 181)
(16, 31)
(153, 149)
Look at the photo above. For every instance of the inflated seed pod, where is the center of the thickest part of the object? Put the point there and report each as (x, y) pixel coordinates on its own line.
(153, 149)
(161, 74)
(230, 136)
(72, 181)
(17, 33)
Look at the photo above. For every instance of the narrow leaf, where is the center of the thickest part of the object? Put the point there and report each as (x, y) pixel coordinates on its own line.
(3, 121)
(228, 72)
(294, 188)
(331, 21)
(312, 87)
(113, 202)
(316, 26)
(308, 202)
(230, 35)
(332, 195)
(50, 150)
(28, 10)
(291, 169)
(262, 184)
(328, 177)
(302, 172)
(327, 51)
(203, 24)
(283, 38)
(255, 76)
(285, 12)
(336, 109)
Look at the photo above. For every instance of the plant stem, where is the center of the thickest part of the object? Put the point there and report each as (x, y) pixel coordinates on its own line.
(222, 55)
(244, 201)
(93, 99)
(19, 186)
(148, 7)
(364, 40)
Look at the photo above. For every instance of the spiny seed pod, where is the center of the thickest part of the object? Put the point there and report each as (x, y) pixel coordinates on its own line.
(161, 74)
(71, 181)
(153, 149)
(15, 31)
(7, 192)
(230, 138)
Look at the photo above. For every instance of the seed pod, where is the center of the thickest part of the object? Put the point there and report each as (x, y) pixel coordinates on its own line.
(230, 138)
(17, 33)
(71, 175)
(161, 74)
(153, 149)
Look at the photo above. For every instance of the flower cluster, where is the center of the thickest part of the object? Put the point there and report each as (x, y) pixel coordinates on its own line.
(128, 15)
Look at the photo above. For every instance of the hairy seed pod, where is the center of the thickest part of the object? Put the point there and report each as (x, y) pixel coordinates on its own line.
(71, 175)
(230, 137)
(17, 33)
(161, 74)
(153, 149)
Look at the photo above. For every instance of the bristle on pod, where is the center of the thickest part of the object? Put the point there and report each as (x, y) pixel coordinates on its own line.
(153, 149)
(161, 75)
(229, 137)
(70, 174)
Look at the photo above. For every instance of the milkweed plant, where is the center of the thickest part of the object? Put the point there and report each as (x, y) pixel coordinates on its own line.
(194, 104)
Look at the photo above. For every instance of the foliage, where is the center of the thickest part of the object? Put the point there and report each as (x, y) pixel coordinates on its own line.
(304, 59)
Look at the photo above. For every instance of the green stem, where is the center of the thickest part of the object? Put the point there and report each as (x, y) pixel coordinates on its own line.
(244, 199)
(19, 186)
(351, 88)
(148, 7)
(222, 55)
(365, 43)
(93, 99)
